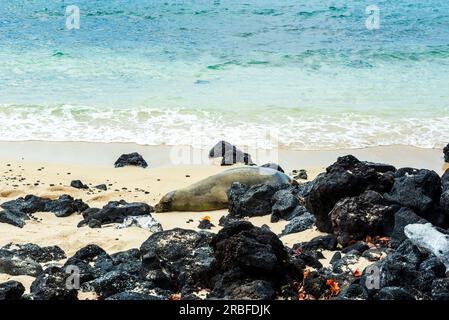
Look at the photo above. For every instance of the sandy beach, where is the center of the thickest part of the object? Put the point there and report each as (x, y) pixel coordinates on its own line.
(46, 169)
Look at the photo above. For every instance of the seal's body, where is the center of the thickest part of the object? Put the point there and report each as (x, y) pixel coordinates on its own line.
(211, 193)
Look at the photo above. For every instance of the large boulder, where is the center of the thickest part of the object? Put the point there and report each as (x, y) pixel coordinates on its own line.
(286, 206)
(19, 210)
(178, 256)
(230, 154)
(419, 190)
(16, 266)
(111, 283)
(348, 177)
(92, 262)
(299, 224)
(131, 159)
(251, 262)
(354, 218)
(409, 268)
(245, 201)
(77, 184)
(35, 252)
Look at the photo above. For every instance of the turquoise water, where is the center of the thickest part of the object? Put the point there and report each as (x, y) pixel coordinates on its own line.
(301, 74)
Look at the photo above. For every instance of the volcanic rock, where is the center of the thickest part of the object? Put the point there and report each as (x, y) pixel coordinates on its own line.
(348, 177)
(230, 154)
(53, 285)
(299, 224)
(446, 153)
(11, 290)
(131, 159)
(78, 184)
(116, 212)
(355, 218)
(419, 191)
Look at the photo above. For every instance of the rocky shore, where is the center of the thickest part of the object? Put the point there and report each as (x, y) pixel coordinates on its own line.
(384, 235)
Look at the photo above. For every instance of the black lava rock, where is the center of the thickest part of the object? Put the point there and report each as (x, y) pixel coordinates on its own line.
(244, 201)
(205, 224)
(444, 200)
(12, 218)
(16, 211)
(129, 295)
(286, 205)
(446, 153)
(92, 261)
(11, 290)
(359, 246)
(251, 262)
(348, 177)
(355, 218)
(184, 256)
(395, 293)
(16, 267)
(52, 285)
(230, 154)
(78, 184)
(115, 212)
(35, 252)
(300, 174)
(440, 289)
(299, 224)
(421, 192)
(353, 292)
(274, 166)
(101, 187)
(111, 283)
(131, 159)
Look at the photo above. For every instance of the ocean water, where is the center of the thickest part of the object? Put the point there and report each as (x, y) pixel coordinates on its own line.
(296, 74)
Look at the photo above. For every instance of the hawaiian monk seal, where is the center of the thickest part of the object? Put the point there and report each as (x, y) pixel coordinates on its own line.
(211, 193)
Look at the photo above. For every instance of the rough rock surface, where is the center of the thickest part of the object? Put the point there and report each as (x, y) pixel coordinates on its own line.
(183, 257)
(299, 224)
(17, 211)
(348, 177)
(244, 201)
(251, 262)
(230, 154)
(115, 212)
(11, 290)
(354, 218)
(419, 190)
(35, 252)
(131, 159)
(425, 236)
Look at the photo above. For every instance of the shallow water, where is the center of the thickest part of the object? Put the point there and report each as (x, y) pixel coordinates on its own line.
(301, 74)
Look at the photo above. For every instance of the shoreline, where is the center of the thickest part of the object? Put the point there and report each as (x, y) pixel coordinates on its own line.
(99, 154)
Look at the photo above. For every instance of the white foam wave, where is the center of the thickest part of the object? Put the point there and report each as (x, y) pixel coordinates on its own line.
(204, 128)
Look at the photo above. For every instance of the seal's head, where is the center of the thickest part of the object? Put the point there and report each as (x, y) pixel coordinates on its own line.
(165, 204)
